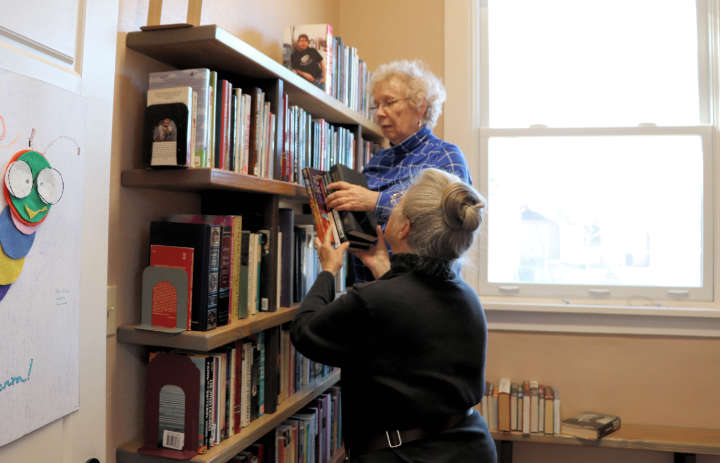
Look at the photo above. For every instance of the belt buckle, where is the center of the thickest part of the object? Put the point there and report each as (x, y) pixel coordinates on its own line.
(389, 441)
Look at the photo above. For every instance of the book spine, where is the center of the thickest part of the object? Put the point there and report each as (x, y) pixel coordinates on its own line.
(243, 276)
(526, 408)
(214, 275)
(339, 229)
(223, 317)
(237, 385)
(235, 265)
(266, 271)
(246, 385)
(209, 399)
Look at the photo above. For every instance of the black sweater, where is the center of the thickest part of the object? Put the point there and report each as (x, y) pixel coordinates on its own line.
(411, 345)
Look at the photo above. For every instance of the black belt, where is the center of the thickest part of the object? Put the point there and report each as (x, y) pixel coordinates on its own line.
(395, 438)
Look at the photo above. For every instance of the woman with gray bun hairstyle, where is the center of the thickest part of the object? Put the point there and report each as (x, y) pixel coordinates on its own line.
(411, 344)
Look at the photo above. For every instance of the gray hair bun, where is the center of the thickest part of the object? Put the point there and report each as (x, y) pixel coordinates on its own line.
(461, 207)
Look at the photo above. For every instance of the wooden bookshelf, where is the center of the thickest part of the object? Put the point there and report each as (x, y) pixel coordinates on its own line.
(223, 192)
(213, 47)
(682, 441)
(193, 180)
(207, 340)
(128, 453)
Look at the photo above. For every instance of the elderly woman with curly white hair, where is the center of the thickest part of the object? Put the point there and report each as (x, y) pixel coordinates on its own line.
(407, 101)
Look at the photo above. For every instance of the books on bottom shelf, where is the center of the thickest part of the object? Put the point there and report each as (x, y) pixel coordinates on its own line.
(313, 434)
(591, 425)
(526, 407)
(236, 384)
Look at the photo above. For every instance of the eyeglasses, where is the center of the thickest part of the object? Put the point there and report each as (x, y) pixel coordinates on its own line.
(385, 104)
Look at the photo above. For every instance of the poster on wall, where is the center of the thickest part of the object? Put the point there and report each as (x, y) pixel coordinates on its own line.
(41, 140)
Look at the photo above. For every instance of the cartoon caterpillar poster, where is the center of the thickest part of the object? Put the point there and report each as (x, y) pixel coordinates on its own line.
(31, 187)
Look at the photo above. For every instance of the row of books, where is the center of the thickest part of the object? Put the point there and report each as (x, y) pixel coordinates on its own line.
(238, 383)
(228, 267)
(313, 142)
(313, 435)
(341, 73)
(229, 128)
(533, 408)
(527, 407)
(307, 264)
(196, 118)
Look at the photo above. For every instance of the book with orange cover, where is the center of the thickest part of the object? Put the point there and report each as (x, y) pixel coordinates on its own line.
(504, 405)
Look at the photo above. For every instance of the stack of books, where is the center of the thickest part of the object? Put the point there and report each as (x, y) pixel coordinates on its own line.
(356, 227)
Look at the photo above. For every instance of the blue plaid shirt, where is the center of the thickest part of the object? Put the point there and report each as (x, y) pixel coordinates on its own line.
(392, 170)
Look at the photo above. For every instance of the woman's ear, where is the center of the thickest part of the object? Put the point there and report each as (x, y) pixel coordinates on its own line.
(404, 229)
(422, 110)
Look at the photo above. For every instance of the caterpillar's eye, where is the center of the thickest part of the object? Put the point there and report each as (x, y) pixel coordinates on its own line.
(18, 179)
(50, 185)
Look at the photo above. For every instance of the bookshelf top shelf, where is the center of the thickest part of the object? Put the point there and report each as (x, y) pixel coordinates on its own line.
(213, 47)
(209, 179)
(207, 340)
(128, 453)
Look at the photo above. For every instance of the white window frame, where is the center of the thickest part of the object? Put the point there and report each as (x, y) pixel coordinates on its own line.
(679, 314)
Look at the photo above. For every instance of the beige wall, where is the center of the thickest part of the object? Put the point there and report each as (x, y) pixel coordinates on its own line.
(650, 380)
(387, 30)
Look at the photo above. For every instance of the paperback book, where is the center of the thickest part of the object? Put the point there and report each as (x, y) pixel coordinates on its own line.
(168, 127)
(591, 425)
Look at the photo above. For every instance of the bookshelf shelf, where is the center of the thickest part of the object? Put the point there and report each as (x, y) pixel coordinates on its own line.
(128, 453)
(637, 437)
(213, 47)
(207, 340)
(208, 179)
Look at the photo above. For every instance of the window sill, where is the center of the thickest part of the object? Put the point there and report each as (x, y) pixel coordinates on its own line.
(603, 319)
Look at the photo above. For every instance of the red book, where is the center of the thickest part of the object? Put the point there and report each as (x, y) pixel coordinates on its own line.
(178, 257)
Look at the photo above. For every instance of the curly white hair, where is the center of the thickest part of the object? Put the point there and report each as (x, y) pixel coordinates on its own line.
(422, 86)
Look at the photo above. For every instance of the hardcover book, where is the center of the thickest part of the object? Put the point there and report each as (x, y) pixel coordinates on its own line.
(358, 225)
(591, 425)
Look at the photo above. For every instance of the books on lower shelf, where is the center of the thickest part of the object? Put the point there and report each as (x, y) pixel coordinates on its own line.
(236, 384)
(313, 435)
(526, 407)
(591, 425)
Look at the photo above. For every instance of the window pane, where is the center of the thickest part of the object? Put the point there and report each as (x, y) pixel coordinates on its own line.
(584, 63)
(605, 210)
